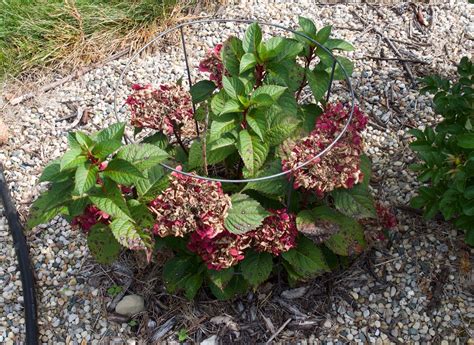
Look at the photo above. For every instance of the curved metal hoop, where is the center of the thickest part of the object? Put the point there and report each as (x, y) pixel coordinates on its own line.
(244, 21)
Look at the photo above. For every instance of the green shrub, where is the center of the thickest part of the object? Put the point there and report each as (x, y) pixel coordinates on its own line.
(447, 152)
(227, 237)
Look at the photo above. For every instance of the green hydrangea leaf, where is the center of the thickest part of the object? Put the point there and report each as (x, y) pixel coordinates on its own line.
(142, 156)
(86, 177)
(232, 52)
(248, 62)
(256, 267)
(113, 132)
(202, 90)
(252, 38)
(122, 171)
(246, 214)
(102, 244)
(306, 259)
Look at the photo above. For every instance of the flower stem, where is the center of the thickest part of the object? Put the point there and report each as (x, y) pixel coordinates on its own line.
(177, 134)
(308, 59)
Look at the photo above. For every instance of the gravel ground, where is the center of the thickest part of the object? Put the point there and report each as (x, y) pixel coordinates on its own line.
(417, 290)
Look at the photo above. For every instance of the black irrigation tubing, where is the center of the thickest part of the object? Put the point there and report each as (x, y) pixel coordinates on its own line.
(24, 263)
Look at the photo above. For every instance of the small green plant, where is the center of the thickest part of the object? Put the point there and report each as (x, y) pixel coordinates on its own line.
(182, 335)
(447, 152)
(133, 323)
(114, 290)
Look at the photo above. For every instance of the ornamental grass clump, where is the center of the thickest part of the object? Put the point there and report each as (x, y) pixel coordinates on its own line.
(160, 194)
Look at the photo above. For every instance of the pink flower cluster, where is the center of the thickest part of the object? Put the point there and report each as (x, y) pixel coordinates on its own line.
(222, 251)
(190, 204)
(213, 65)
(337, 168)
(165, 109)
(91, 216)
(277, 234)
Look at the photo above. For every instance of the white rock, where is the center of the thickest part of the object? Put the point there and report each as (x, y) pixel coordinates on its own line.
(130, 305)
(210, 341)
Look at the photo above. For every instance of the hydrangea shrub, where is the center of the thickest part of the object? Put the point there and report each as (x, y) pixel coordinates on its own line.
(252, 122)
(447, 151)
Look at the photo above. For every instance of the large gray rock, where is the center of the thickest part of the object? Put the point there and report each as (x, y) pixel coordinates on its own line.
(130, 305)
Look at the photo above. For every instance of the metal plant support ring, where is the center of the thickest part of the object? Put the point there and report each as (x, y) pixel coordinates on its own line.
(180, 28)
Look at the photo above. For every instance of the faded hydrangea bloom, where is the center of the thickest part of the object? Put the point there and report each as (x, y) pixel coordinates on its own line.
(385, 216)
(212, 64)
(375, 228)
(276, 235)
(222, 251)
(166, 109)
(340, 166)
(190, 204)
(90, 217)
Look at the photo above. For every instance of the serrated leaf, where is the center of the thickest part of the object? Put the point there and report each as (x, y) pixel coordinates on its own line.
(306, 259)
(142, 156)
(252, 151)
(52, 172)
(354, 202)
(338, 44)
(231, 106)
(233, 86)
(274, 91)
(43, 217)
(182, 273)
(110, 206)
(122, 171)
(77, 206)
(51, 203)
(232, 52)
(72, 159)
(319, 83)
(256, 267)
(202, 90)
(323, 34)
(317, 230)
(349, 240)
(221, 278)
(84, 140)
(102, 244)
(279, 132)
(235, 286)
(252, 38)
(247, 62)
(307, 25)
(348, 67)
(113, 132)
(221, 125)
(274, 186)
(157, 139)
(72, 141)
(257, 123)
(308, 113)
(126, 233)
(466, 140)
(218, 102)
(195, 159)
(105, 148)
(153, 184)
(246, 214)
(86, 177)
